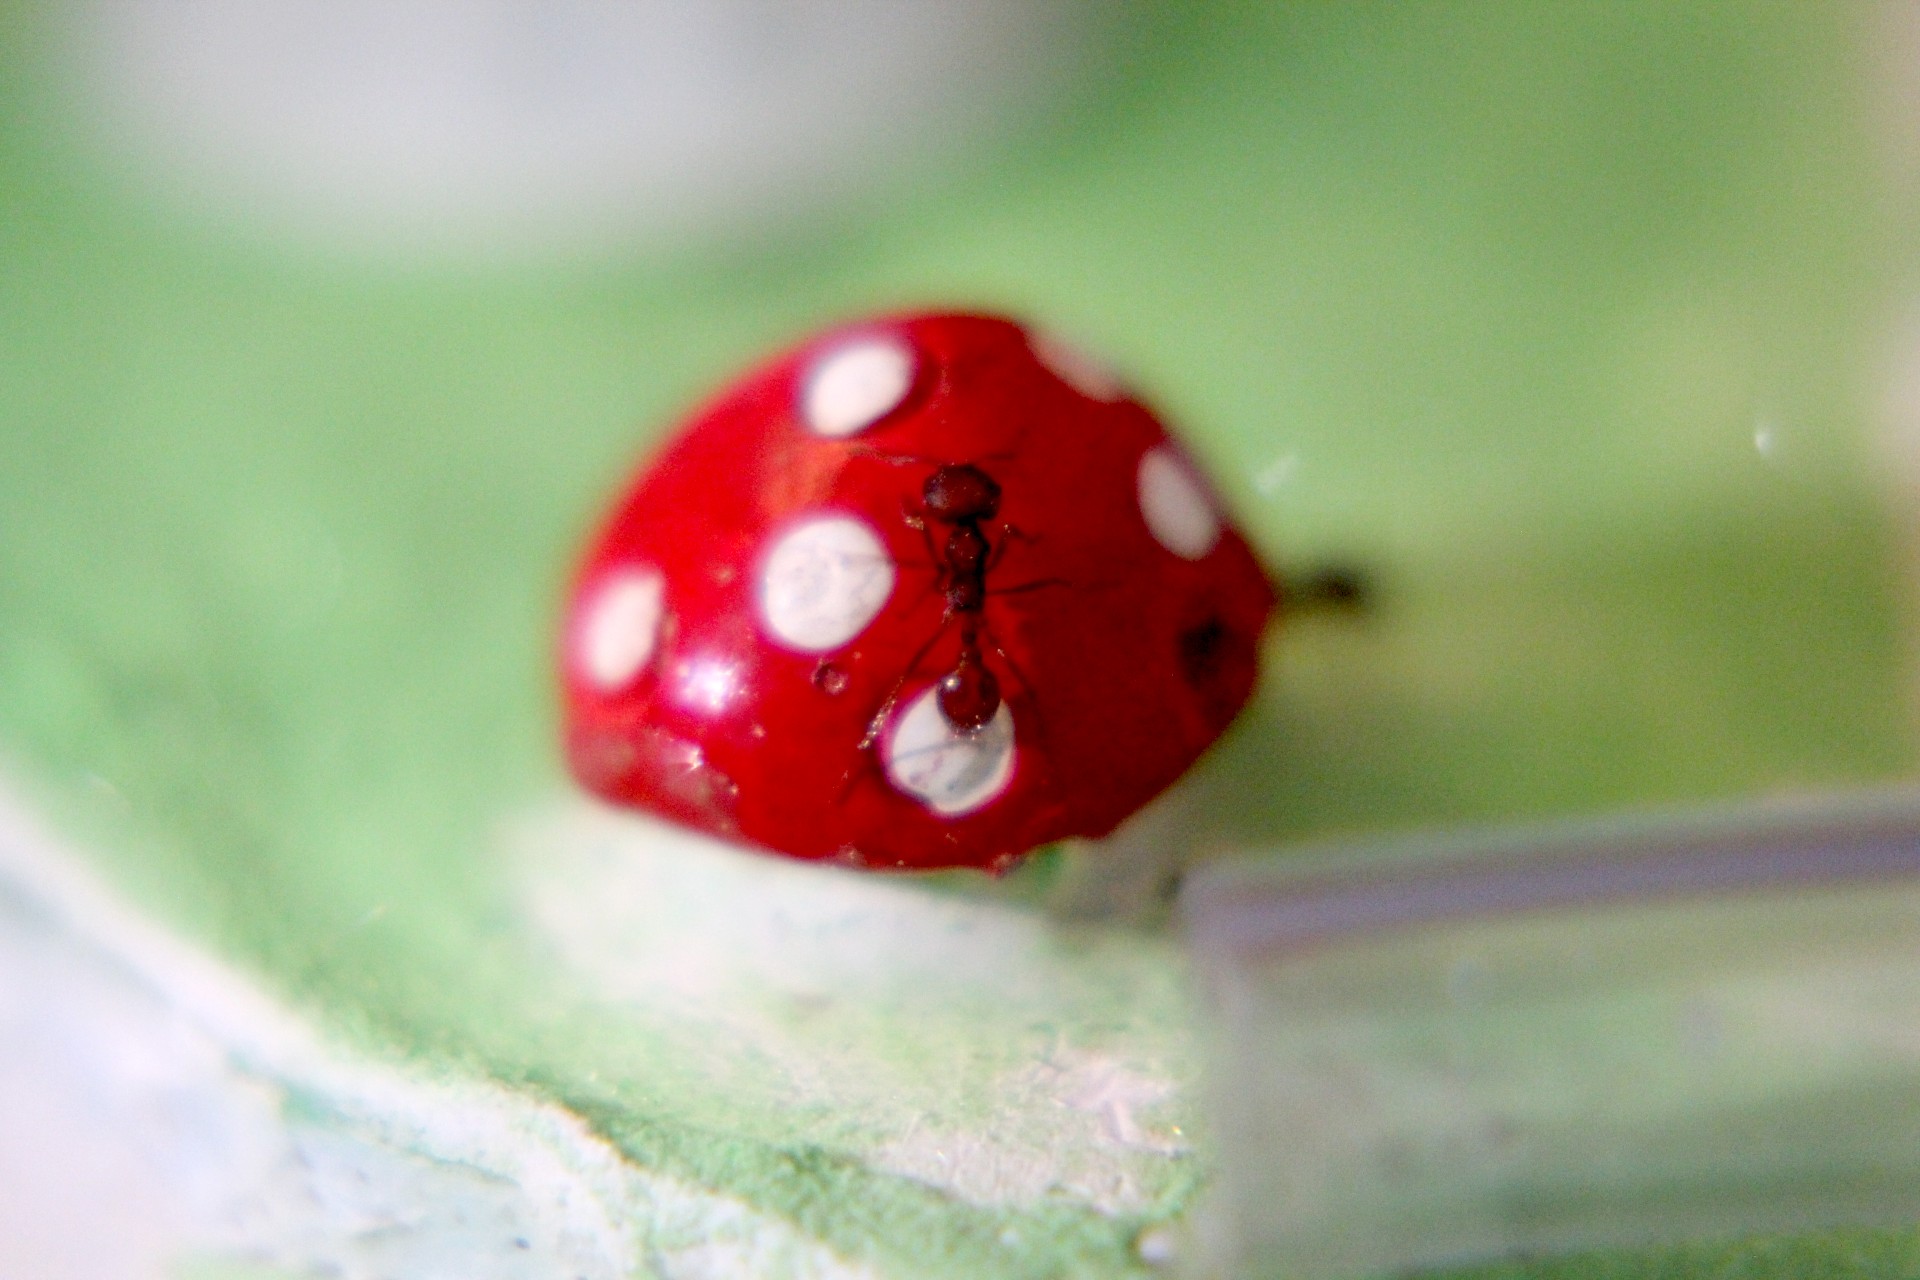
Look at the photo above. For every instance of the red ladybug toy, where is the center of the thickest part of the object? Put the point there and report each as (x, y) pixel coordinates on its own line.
(928, 591)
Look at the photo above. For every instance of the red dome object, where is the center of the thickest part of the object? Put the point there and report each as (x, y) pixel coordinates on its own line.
(928, 591)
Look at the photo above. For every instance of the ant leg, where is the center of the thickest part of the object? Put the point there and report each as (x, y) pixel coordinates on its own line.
(901, 459)
(886, 564)
(1030, 704)
(891, 459)
(864, 759)
(1034, 585)
(879, 720)
(1008, 533)
(1015, 531)
(892, 699)
(1033, 697)
(918, 519)
(914, 459)
(929, 585)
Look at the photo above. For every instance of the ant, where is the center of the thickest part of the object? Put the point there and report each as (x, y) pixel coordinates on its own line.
(960, 497)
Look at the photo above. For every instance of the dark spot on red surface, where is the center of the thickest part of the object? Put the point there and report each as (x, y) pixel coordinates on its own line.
(1202, 648)
(1218, 664)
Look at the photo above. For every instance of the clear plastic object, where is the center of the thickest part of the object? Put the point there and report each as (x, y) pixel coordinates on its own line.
(1450, 1049)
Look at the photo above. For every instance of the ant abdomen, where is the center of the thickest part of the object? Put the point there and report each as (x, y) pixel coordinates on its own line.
(969, 696)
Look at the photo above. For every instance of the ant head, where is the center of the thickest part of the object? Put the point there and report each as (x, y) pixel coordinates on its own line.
(960, 493)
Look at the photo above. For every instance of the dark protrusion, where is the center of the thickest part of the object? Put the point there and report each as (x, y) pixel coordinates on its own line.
(1334, 587)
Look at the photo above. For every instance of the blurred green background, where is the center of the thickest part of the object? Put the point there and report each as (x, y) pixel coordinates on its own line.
(1571, 326)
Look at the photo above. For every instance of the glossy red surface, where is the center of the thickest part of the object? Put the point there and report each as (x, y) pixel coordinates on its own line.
(1118, 659)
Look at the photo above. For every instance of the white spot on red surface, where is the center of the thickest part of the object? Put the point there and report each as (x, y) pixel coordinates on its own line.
(951, 771)
(1085, 373)
(854, 385)
(619, 626)
(824, 580)
(1175, 505)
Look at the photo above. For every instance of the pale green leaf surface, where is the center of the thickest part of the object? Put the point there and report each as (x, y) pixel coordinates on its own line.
(1569, 326)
